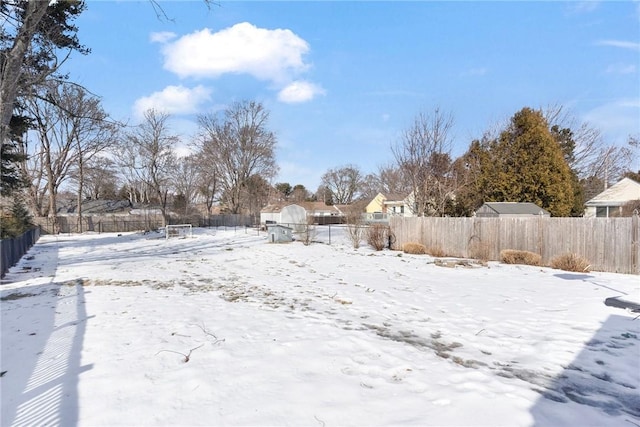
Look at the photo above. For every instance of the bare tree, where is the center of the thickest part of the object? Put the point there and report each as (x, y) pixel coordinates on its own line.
(589, 155)
(207, 180)
(147, 153)
(238, 145)
(345, 183)
(422, 154)
(71, 128)
(31, 33)
(100, 178)
(186, 179)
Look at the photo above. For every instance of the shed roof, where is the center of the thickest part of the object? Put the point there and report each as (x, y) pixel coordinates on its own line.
(515, 208)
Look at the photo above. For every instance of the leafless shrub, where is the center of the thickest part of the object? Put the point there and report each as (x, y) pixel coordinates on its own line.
(570, 262)
(377, 236)
(436, 251)
(414, 248)
(479, 251)
(512, 256)
(630, 207)
(308, 233)
(355, 227)
(355, 232)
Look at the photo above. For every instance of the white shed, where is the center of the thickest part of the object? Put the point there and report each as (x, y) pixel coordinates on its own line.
(279, 233)
(287, 215)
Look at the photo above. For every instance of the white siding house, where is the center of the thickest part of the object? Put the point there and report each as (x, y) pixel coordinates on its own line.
(610, 201)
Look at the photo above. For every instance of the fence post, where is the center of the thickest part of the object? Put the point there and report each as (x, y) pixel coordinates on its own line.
(635, 236)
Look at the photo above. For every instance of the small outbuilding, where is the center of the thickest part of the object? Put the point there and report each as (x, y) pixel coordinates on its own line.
(510, 210)
(279, 233)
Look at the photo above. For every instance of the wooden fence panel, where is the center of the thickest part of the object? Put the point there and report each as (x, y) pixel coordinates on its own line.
(610, 244)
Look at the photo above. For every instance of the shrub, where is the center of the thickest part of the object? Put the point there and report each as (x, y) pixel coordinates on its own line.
(436, 251)
(355, 232)
(570, 262)
(511, 256)
(377, 236)
(414, 248)
(479, 251)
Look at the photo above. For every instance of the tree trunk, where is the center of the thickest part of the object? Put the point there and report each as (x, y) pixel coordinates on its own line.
(12, 65)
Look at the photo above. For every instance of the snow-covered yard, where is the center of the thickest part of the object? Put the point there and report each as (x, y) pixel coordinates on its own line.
(227, 329)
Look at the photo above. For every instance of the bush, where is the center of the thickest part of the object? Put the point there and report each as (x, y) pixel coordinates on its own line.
(436, 251)
(378, 236)
(414, 248)
(511, 256)
(570, 262)
(355, 232)
(479, 251)
(17, 221)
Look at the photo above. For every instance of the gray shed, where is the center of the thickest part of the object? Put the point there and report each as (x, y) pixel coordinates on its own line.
(279, 233)
(510, 210)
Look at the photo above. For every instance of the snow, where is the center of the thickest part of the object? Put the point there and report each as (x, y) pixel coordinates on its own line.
(227, 329)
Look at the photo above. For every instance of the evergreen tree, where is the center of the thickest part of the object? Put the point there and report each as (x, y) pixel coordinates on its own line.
(11, 177)
(527, 164)
(17, 222)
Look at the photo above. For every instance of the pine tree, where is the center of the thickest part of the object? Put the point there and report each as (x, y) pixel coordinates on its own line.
(527, 164)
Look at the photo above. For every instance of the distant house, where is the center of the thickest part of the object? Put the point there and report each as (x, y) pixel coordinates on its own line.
(382, 206)
(510, 210)
(610, 201)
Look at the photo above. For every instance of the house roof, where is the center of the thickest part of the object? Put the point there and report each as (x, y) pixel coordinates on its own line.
(620, 193)
(310, 207)
(394, 197)
(515, 208)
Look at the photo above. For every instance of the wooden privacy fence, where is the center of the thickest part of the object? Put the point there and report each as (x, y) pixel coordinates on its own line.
(609, 244)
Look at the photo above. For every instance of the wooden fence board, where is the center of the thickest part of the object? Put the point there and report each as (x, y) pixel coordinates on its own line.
(610, 244)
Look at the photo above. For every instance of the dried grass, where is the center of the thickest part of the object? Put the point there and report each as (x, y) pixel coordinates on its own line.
(512, 256)
(414, 248)
(570, 262)
(479, 251)
(436, 251)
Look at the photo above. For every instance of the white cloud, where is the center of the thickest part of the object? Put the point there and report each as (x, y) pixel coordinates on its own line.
(273, 55)
(162, 37)
(299, 91)
(173, 100)
(620, 43)
(481, 71)
(617, 119)
(621, 69)
(584, 6)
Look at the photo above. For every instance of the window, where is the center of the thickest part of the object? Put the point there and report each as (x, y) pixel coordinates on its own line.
(602, 212)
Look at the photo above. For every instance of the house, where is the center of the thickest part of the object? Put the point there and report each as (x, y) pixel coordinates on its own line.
(383, 206)
(610, 201)
(279, 233)
(510, 210)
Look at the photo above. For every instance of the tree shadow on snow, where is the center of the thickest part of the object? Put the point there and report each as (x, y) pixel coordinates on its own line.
(43, 327)
(602, 383)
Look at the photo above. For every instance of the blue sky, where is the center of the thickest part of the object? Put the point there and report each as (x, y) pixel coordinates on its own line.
(342, 80)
